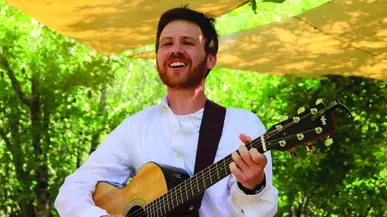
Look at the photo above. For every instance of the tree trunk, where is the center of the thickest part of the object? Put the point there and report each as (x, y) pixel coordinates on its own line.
(301, 207)
(101, 112)
(41, 189)
(27, 209)
(26, 206)
(33, 103)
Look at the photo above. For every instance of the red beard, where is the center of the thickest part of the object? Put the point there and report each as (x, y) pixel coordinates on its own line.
(184, 79)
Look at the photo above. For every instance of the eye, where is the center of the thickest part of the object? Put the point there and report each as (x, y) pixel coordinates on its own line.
(167, 44)
(187, 43)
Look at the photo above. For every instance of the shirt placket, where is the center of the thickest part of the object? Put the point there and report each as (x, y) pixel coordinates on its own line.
(177, 140)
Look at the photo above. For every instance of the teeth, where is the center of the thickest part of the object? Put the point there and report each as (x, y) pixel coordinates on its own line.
(174, 64)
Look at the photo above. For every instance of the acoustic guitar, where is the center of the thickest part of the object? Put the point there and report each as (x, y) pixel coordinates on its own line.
(159, 190)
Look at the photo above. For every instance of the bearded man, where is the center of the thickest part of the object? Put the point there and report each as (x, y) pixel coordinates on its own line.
(167, 133)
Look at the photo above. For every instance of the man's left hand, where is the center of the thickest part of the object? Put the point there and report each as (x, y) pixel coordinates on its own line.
(248, 166)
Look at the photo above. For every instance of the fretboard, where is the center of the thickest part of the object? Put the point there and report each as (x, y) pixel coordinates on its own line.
(195, 185)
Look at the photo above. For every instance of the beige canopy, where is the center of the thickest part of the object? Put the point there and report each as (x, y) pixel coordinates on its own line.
(347, 37)
(341, 37)
(112, 26)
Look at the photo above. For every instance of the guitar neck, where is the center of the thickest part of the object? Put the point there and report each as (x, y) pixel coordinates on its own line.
(198, 183)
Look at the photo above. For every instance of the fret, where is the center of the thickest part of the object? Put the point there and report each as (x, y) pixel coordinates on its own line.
(192, 188)
(154, 208)
(204, 180)
(186, 189)
(157, 204)
(151, 209)
(177, 199)
(209, 172)
(163, 205)
(225, 168)
(173, 205)
(148, 210)
(197, 186)
(181, 194)
(167, 203)
(217, 172)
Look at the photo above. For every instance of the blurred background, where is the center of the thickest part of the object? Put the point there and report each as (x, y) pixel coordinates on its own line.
(60, 95)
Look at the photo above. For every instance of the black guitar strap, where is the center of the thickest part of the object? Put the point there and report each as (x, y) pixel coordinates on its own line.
(209, 137)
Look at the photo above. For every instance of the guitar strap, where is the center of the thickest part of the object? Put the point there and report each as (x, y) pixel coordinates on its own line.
(210, 132)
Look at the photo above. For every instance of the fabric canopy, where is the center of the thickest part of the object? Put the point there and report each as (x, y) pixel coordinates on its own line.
(341, 37)
(112, 26)
(346, 37)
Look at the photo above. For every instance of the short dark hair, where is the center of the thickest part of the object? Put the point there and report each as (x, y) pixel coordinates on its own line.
(205, 23)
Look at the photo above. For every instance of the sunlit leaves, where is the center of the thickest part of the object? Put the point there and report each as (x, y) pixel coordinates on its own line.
(346, 179)
(266, 12)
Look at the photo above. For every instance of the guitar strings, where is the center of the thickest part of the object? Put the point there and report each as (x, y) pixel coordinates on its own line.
(186, 195)
(226, 161)
(205, 180)
(160, 201)
(175, 192)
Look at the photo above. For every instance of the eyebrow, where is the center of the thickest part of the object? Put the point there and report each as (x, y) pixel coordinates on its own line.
(184, 37)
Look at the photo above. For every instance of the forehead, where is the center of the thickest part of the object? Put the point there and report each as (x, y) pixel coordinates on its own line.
(181, 28)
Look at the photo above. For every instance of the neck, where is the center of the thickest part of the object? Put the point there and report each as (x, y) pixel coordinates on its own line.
(186, 101)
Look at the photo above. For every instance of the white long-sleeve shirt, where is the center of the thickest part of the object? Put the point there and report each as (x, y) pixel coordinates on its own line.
(157, 134)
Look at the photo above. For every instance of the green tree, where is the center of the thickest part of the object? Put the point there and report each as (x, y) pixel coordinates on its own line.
(43, 75)
(59, 99)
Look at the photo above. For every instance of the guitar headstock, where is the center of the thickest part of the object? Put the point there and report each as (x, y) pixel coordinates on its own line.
(308, 125)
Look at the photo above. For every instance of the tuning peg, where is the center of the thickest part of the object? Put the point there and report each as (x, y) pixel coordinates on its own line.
(300, 110)
(313, 111)
(310, 147)
(293, 154)
(328, 142)
(284, 117)
(300, 136)
(318, 101)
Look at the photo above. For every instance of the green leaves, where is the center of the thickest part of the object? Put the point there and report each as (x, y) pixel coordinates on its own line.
(253, 3)
(275, 1)
(84, 95)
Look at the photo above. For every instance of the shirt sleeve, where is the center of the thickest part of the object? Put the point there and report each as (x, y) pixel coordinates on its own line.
(263, 204)
(110, 162)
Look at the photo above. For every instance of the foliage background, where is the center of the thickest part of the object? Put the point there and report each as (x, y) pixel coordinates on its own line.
(59, 99)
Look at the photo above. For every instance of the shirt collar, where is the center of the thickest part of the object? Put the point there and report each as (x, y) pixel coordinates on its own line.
(196, 117)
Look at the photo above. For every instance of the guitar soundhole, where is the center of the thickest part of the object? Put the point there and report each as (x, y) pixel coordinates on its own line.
(136, 211)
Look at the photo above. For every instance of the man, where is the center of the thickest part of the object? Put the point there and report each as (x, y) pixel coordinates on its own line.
(167, 133)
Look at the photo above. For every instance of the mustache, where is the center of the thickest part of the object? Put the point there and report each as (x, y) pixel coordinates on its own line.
(178, 56)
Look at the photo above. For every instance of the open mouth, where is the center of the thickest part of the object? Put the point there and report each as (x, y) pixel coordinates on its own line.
(176, 65)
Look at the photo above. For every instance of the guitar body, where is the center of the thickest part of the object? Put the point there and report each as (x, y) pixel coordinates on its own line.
(151, 182)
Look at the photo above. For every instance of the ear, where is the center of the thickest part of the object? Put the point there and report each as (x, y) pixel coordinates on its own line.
(211, 61)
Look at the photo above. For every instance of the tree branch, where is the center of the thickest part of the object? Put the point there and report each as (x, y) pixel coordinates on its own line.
(36, 114)
(4, 136)
(15, 83)
(101, 112)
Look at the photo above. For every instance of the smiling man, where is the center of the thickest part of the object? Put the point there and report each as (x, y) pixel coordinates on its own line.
(167, 133)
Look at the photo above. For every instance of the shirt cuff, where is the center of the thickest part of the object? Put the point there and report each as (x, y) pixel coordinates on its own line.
(256, 190)
(241, 198)
(265, 201)
(93, 211)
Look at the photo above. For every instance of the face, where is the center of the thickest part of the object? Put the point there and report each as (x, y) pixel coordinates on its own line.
(182, 62)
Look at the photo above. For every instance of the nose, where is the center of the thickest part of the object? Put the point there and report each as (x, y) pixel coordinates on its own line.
(176, 48)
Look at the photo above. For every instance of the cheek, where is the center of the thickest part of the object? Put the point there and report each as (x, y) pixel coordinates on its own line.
(194, 56)
(160, 59)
